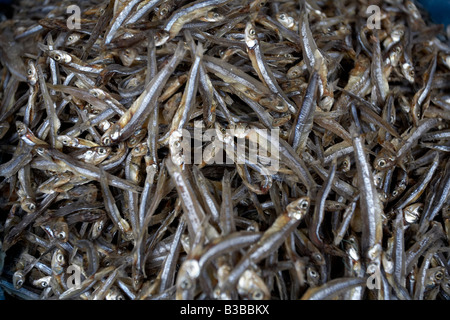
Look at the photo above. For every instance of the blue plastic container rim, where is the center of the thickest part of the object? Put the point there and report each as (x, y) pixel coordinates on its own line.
(439, 10)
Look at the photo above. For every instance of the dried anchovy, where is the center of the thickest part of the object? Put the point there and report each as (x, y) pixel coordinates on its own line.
(101, 193)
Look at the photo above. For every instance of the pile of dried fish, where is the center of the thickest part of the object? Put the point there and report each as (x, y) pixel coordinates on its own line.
(100, 198)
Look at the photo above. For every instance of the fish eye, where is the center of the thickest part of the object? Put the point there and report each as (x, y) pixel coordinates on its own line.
(132, 140)
(62, 235)
(313, 273)
(216, 15)
(252, 32)
(394, 193)
(258, 295)
(185, 285)
(439, 275)
(282, 16)
(44, 284)
(101, 150)
(411, 73)
(70, 38)
(31, 206)
(30, 72)
(304, 204)
(381, 163)
(21, 129)
(262, 3)
(106, 141)
(57, 57)
(318, 257)
(163, 12)
(60, 258)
